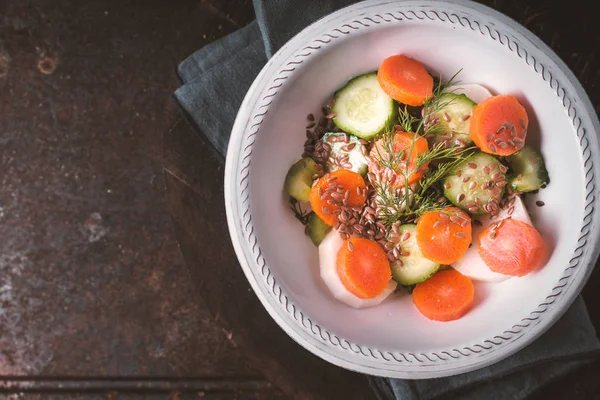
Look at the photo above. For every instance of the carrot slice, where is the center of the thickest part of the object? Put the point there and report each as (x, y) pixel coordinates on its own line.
(325, 189)
(499, 125)
(446, 296)
(444, 236)
(394, 153)
(512, 247)
(405, 80)
(363, 267)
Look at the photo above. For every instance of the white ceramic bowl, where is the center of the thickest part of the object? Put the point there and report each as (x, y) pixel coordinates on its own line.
(280, 262)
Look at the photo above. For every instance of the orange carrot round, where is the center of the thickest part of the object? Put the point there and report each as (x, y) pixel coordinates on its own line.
(446, 296)
(512, 247)
(444, 236)
(499, 125)
(401, 144)
(363, 267)
(405, 80)
(326, 190)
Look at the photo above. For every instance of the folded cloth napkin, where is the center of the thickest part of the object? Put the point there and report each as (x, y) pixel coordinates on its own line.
(215, 80)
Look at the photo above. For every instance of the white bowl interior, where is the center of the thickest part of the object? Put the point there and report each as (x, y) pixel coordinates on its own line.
(396, 325)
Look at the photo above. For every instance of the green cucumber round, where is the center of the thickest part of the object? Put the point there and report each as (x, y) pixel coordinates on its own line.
(412, 267)
(362, 108)
(477, 184)
(299, 179)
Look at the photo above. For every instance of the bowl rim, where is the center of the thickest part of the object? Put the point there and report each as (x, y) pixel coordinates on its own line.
(288, 315)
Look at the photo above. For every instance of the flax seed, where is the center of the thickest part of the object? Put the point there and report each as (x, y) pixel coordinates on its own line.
(461, 197)
(406, 236)
(493, 148)
(437, 224)
(466, 179)
(501, 129)
(540, 203)
(519, 146)
(465, 117)
(472, 165)
(460, 235)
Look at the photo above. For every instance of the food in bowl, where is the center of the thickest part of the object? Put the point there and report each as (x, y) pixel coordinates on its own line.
(414, 186)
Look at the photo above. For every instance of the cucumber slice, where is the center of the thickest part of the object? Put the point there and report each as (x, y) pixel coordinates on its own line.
(353, 149)
(362, 108)
(477, 184)
(453, 121)
(528, 170)
(413, 268)
(298, 180)
(317, 229)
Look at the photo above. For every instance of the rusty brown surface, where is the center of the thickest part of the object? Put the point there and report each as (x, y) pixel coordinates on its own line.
(96, 295)
(92, 281)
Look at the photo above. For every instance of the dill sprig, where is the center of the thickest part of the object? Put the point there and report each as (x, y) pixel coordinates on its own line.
(452, 156)
(406, 120)
(391, 203)
(387, 156)
(411, 202)
(299, 213)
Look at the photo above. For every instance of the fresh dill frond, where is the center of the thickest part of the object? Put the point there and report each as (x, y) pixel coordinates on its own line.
(300, 214)
(406, 120)
(385, 155)
(429, 201)
(391, 203)
(410, 202)
(440, 152)
(434, 176)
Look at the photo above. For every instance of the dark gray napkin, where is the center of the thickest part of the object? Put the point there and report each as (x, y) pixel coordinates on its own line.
(215, 80)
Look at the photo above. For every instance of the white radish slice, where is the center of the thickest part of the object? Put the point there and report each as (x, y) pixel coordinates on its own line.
(328, 250)
(474, 91)
(471, 263)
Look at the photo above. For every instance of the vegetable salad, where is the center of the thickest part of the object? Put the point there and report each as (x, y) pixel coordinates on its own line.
(411, 185)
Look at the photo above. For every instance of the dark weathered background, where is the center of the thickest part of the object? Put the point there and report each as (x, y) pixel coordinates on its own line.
(100, 179)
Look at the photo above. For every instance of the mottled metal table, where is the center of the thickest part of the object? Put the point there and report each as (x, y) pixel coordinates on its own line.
(117, 275)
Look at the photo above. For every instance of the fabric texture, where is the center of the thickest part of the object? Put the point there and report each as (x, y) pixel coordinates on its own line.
(215, 81)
